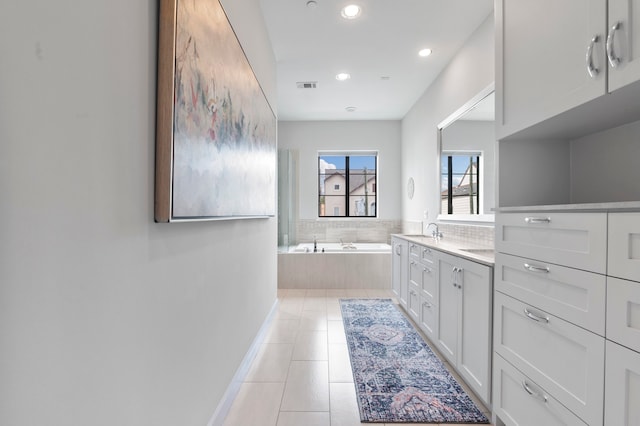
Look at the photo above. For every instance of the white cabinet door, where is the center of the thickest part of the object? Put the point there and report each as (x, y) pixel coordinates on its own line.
(429, 318)
(413, 303)
(622, 387)
(400, 269)
(429, 300)
(623, 312)
(541, 55)
(625, 42)
(448, 301)
(474, 335)
(624, 245)
(464, 320)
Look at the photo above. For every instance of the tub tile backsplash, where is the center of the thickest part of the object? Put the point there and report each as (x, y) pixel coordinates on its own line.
(366, 231)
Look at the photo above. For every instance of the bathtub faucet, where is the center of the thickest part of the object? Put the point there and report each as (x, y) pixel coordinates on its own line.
(436, 234)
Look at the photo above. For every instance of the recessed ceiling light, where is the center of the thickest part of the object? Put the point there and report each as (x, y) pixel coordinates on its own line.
(351, 12)
(425, 52)
(343, 76)
(350, 109)
(312, 4)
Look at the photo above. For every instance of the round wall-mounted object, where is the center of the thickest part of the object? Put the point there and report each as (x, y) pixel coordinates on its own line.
(410, 188)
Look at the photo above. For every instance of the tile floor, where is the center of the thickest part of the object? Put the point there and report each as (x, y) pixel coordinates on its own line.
(302, 374)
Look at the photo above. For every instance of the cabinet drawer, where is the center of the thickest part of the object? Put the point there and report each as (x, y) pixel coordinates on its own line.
(415, 273)
(624, 245)
(564, 359)
(519, 401)
(571, 294)
(578, 240)
(428, 317)
(622, 387)
(413, 303)
(415, 251)
(623, 312)
(429, 282)
(428, 256)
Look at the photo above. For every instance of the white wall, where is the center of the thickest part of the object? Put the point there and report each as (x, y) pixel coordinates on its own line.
(107, 318)
(309, 137)
(471, 71)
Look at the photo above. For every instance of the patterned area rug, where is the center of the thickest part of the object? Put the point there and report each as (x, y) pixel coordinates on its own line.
(398, 378)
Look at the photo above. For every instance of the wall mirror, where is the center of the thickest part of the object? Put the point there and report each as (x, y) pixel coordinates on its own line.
(466, 161)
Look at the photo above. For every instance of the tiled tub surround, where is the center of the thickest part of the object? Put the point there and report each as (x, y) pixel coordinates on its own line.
(349, 230)
(349, 270)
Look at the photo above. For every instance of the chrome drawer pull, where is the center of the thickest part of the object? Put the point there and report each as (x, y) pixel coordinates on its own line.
(537, 219)
(614, 60)
(540, 396)
(592, 69)
(535, 317)
(533, 268)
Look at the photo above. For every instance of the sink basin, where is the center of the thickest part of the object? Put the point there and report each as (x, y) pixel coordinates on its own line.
(480, 251)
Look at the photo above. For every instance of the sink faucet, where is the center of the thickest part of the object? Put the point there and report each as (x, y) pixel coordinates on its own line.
(315, 244)
(436, 234)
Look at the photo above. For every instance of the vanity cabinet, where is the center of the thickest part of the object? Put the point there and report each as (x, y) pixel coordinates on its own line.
(464, 320)
(399, 268)
(450, 298)
(555, 56)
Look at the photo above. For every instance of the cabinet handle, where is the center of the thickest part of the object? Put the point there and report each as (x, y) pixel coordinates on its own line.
(591, 69)
(614, 60)
(427, 305)
(535, 317)
(537, 219)
(540, 396)
(399, 250)
(533, 268)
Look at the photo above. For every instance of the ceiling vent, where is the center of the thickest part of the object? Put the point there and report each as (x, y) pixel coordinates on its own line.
(307, 84)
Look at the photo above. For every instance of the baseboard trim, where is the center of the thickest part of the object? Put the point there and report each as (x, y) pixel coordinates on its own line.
(234, 387)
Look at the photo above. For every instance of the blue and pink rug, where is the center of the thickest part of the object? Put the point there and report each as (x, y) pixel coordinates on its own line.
(397, 376)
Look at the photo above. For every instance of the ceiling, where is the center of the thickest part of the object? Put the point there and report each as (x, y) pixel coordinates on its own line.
(379, 50)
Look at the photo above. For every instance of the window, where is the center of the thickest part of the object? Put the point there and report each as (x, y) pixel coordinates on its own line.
(347, 185)
(460, 177)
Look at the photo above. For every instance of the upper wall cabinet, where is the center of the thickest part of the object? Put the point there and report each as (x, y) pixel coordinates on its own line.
(555, 56)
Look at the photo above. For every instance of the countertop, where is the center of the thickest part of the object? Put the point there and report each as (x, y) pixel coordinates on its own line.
(472, 251)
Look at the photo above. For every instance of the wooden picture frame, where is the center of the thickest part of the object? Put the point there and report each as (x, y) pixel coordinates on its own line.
(215, 130)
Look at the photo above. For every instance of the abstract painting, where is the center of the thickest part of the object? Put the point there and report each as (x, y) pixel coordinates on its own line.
(216, 132)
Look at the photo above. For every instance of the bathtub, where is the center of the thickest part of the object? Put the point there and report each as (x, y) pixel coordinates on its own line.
(343, 248)
(348, 266)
